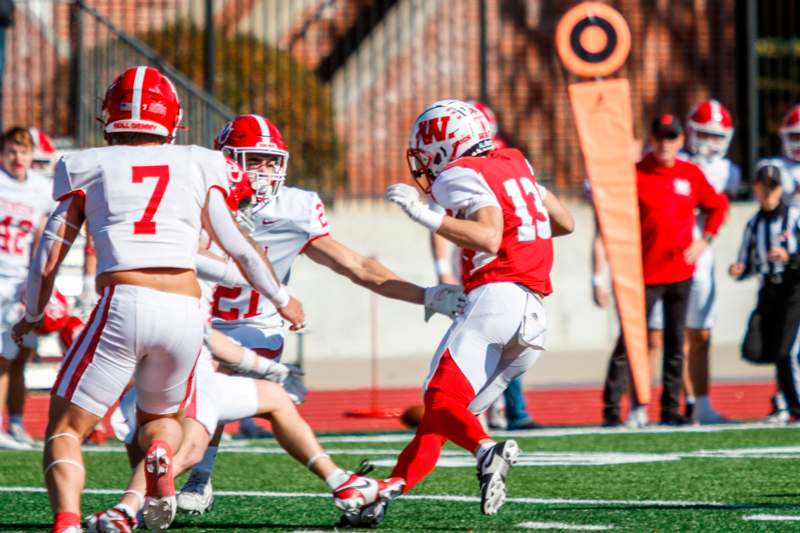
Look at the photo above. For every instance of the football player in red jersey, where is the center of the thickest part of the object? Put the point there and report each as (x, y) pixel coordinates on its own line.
(504, 222)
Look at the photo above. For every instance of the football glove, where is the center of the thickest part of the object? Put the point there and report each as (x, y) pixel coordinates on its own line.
(294, 385)
(446, 299)
(407, 197)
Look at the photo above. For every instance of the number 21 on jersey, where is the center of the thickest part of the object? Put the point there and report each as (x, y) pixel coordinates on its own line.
(529, 208)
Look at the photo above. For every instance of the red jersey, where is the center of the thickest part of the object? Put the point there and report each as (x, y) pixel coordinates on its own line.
(668, 198)
(503, 179)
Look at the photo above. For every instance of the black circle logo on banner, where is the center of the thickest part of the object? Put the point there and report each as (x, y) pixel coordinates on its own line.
(593, 39)
(579, 48)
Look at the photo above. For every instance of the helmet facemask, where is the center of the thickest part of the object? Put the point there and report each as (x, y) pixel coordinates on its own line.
(790, 139)
(419, 163)
(710, 143)
(265, 183)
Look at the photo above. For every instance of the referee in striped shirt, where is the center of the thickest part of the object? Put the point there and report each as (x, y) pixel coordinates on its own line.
(771, 249)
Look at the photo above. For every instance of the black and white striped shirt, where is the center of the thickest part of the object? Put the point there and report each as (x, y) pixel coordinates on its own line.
(765, 230)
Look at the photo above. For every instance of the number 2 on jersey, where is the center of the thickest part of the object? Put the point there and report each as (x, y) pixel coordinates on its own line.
(146, 225)
(528, 230)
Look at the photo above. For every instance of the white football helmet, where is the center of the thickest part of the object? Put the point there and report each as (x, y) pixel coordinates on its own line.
(710, 130)
(444, 132)
(790, 134)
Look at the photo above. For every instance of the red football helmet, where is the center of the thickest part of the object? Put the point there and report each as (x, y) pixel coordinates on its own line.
(709, 129)
(790, 134)
(142, 100)
(70, 331)
(491, 118)
(249, 135)
(43, 149)
(56, 313)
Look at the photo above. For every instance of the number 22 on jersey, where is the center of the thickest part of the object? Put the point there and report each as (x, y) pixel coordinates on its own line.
(529, 208)
(146, 225)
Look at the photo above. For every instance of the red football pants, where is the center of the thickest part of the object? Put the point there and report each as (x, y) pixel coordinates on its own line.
(446, 417)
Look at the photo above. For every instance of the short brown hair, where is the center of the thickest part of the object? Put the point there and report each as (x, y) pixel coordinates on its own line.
(17, 135)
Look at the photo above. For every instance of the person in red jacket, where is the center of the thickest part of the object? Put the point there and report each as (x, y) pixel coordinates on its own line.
(670, 190)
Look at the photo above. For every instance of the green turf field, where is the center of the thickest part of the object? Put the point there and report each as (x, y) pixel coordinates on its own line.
(690, 480)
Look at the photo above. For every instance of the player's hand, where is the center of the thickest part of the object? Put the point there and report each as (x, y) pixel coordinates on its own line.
(293, 312)
(20, 329)
(777, 253)
(694, 251)
(407, 197)
(736, 270)
(600, 296)
(448, 300)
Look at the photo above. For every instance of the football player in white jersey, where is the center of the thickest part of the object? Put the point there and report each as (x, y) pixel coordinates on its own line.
(287, 221)
(789, 161)
(144, 201)
(223, 398)
(24, 205)
(709, 130)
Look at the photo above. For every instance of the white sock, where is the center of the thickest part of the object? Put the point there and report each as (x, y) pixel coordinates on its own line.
(691, 399)
(207, 462)
(337, 478)
(483, 449)
(15, 419)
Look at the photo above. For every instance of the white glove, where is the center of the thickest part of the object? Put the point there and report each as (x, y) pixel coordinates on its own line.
(294, 385)
(407, 197)
(445, 299)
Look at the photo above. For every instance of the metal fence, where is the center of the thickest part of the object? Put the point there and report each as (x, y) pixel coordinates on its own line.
(344, 79)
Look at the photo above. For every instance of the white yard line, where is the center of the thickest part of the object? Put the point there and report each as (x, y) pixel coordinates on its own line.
(772, 518)
(564, 526)
(433, 497)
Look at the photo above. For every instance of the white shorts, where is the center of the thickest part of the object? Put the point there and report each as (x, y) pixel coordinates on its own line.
(221, 398)
(11, 311)
(702, 300)
(498, 337)
(269, 339)
(134, 330)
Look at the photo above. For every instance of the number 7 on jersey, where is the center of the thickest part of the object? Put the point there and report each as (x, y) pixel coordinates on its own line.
(146, 225)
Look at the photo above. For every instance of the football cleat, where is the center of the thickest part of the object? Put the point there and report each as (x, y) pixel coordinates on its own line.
(9, 442)
(159, 502)
(354, 494)
(68, 529)
(19, 434)
(371, 515)
(196, 495)
(492, 471)
(637, 418)
(118, 519)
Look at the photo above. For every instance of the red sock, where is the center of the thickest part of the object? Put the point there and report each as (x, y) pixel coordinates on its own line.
(446, 418)
(64, 520)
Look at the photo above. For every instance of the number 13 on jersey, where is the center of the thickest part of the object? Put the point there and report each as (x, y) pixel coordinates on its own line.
(529, 208)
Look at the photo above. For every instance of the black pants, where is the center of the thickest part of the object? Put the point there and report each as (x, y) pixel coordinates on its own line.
(675, 298)
(779, 309)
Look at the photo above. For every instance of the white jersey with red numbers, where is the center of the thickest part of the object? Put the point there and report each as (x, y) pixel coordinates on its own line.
(502, 179)
(22, 206)
(142, 203)
(790, 177)
(283, 227)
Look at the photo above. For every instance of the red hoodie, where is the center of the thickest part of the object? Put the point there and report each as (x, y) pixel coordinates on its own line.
(668, 197)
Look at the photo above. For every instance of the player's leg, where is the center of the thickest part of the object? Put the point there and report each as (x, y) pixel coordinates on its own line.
(92, 377)
(517, 416)
(676, 299)
(17, 392)
(165, 381)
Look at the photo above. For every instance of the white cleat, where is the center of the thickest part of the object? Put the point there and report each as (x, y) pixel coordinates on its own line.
(780, 417)
(196, 496)
(115, 520)
(160, 502)
(10, 443)
(492, 473)
(355, 493)
(637, 418)
(18, 433)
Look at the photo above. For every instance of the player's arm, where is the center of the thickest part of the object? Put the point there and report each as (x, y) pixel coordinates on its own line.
(211, 267)
(252, 261)
(482, 231)
(365, 271)
(442, 263)
(599, 265)
(60, 231)
(561, 221)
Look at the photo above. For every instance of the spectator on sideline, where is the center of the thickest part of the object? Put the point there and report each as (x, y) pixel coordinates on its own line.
(669, 191)
(771, 249)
